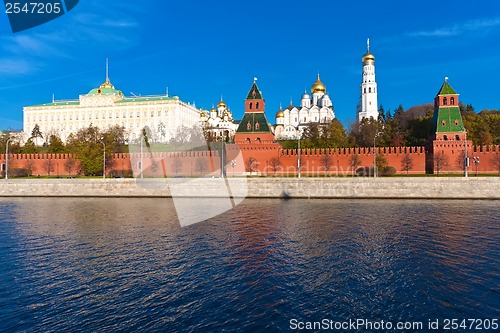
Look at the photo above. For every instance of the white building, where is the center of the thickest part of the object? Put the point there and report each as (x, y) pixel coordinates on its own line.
(219, 122)
(106, 107)
(368, 107)
(317, 108)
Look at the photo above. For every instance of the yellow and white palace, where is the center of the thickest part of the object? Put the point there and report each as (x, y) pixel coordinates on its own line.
(105, 107)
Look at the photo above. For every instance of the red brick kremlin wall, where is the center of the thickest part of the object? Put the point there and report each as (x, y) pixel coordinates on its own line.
(312, 161)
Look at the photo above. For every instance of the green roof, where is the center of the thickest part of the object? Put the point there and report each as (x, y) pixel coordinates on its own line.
(448, 119)
(253, 122)
(59, 103)
(146, 99)
(254, 92)
(446, 89)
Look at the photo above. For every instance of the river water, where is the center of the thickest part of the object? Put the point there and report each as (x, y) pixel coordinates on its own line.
(122, 265)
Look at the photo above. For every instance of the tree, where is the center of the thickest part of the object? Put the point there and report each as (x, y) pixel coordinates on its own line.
(460, 162)
(326, 162)
(381, 163)
(88, 148)
(253, 165)
(495, 161)
(354, 162)
(56, 146)
(440, 162)
(69, 164)
(155, 165)
(36, 134)
(275, 164)
(48, 166)
(30, 167)
(201, 165)
(177, 165)
(29, 147)
(407, 163)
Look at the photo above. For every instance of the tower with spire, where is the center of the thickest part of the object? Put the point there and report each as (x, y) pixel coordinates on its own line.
(368, 104)
(254, 128)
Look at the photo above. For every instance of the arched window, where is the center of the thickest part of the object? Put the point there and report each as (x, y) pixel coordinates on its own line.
(251, 104)
(452, 100)
(445, 137)
(257, 105)
(370, 90)
(457, 137)
(364, 91)
(445, 101)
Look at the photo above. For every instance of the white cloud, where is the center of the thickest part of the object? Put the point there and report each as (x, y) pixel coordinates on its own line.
(15, 66)
(481, 25)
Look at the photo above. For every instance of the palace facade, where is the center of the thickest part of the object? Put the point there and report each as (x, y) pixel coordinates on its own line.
(105, 107)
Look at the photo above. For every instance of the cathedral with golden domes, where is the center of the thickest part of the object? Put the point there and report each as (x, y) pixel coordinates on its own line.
(219, 122)
(314, 108)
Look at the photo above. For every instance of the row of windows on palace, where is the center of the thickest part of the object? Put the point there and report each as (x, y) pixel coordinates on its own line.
(92, 115)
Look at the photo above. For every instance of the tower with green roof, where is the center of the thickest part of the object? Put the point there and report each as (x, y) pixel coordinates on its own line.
(447, 120)
(448, 146)
(254, 127)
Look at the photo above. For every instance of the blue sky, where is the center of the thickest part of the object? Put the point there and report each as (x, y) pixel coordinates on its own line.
(202, 49)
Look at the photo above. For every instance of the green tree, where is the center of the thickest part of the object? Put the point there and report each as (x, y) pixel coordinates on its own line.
(56, 146)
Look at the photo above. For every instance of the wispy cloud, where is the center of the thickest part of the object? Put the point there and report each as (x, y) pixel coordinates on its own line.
(89, 24)
(482, 25)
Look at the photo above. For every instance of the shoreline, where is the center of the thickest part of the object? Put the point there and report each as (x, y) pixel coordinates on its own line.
(449, 188)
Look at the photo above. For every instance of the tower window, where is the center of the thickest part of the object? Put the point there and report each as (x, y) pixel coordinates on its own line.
(370, 90)
(257, 105)
(445, 137)
(251, 104)
(457, 137)
(452, 101)
(364, 91)
(445, 101)
(443, 123)
(456, 122)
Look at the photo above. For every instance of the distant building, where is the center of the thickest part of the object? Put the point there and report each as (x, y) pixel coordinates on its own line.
(219, 122)
(368, 107)
(317, 108)
(106, 107)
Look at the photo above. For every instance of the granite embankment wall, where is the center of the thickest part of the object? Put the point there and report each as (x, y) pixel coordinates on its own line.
(376, 188)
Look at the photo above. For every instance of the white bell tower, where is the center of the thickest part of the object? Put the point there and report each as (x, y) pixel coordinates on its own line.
(369, 104)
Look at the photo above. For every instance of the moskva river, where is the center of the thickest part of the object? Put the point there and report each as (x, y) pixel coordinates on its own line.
(125, 265)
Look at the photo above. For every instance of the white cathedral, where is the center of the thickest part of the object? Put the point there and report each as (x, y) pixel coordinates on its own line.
(318, 109)
(219, 122)
(368, 106)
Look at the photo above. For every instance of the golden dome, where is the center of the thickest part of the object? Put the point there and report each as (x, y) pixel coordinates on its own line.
(318, 86)
(107, 84)
(280, 114)
(368, 56)
(221, 104)
(202, 114)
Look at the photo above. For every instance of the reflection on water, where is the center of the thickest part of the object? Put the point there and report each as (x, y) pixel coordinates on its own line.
(125, 264)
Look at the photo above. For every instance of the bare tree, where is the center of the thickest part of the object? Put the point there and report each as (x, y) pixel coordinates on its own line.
(177, 165)
(275, 164)
(326, 162)
(48, 166)
(253, 165)
(30, 167)
(407, 163)
(354, 162)
(155, 165)
(69, 164)
(201, 165)
(440, 162)
(495, 161)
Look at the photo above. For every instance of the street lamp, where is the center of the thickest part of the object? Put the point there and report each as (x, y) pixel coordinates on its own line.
(298, 151)
(375, 154)
(7, 158)
(476, 162)
(466, 158)
(104, 161)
